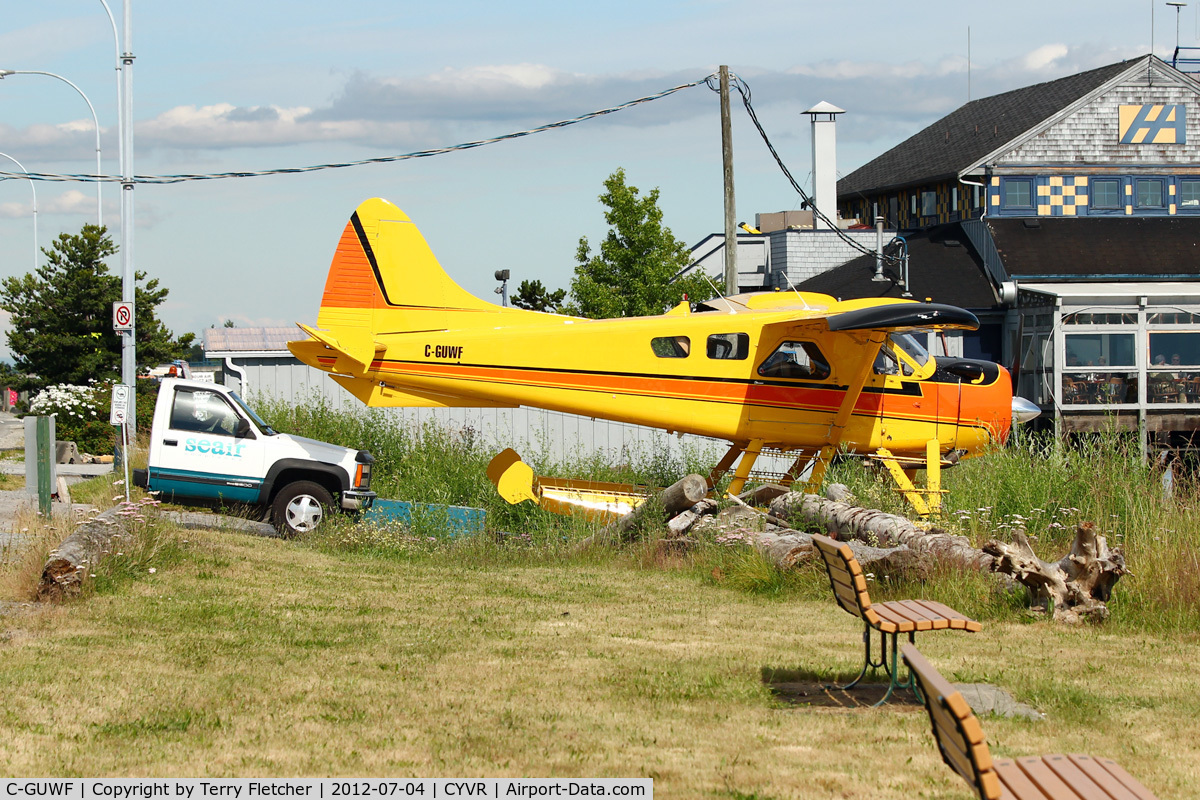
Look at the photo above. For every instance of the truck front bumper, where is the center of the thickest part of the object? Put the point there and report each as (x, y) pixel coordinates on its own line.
(357, 500)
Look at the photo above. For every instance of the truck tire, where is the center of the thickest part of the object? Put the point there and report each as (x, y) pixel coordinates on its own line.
(299, 507)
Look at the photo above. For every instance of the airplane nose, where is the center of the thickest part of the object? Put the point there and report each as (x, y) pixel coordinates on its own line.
(1023, 410)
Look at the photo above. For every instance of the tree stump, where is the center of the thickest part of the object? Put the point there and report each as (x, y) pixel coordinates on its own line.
(1074, 588)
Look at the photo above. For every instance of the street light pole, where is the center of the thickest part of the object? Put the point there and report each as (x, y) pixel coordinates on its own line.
(36, 252)
(128, 284)
(4, 73)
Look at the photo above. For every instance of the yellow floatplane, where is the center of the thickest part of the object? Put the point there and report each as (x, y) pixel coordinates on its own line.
(783, 372)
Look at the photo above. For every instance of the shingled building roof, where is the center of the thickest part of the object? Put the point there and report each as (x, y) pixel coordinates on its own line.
(1102, 248)
(943, 266)
(959, 139)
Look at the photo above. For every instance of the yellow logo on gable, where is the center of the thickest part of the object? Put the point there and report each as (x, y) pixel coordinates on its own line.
(1153, 124)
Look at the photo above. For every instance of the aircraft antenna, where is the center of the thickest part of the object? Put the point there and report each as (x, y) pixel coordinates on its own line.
(717, 291)
(797, 291)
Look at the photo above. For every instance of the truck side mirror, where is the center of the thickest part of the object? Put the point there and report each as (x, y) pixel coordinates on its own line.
(243, 428)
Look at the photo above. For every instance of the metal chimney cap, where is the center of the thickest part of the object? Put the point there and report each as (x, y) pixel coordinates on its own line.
(824, 107)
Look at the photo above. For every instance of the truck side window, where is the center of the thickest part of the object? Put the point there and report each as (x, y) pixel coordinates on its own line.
(204, 412)
(795, 360)
(729, 346)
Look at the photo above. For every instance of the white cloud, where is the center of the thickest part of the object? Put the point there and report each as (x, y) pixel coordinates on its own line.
(1044, 57)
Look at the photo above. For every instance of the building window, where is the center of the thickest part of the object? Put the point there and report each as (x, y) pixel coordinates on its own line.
(913, 205)
(928, 204)
(1175, 349)
(1018, 193)
(1088, 350)
(954, 199)
(1189, 195)
(1106, 193)
(1149, 192)
(976, 197)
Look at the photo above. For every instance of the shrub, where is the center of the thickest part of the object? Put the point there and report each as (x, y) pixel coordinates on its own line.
(80, 412)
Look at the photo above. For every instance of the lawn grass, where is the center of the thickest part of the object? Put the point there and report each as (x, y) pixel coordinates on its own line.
(252, 657)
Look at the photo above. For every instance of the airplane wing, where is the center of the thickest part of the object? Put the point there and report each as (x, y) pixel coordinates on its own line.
(903, 316)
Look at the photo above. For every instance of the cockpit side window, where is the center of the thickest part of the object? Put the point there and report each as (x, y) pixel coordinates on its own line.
(885, 362)
(908, 352)
(795, 360)
(729, 346)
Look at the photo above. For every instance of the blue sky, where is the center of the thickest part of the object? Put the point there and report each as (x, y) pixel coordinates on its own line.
(222, 86)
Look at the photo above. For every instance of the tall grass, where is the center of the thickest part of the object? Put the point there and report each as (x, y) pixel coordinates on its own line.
(433, 463)
(1047, 486)
(1036, 483)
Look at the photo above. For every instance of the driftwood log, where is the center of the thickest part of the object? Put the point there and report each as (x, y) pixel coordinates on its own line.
(62, 575)
(789, 549)
(1074, 588)
(878, 529)
(677, 498)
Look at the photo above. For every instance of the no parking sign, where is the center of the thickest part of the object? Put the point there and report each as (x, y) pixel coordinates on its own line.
(122, 315)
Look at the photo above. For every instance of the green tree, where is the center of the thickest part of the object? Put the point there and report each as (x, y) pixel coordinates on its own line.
(61, 324)
(632, 274)
(533, 296)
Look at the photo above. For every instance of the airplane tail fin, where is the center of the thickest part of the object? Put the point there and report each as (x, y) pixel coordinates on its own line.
(383, 279)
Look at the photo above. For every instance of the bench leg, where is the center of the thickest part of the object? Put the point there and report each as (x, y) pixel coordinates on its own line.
(867, 662)
(893, 672)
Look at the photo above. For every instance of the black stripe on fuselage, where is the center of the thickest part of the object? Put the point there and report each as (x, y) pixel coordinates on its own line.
(906, 388)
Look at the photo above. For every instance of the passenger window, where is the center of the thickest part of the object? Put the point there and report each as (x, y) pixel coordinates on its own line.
(729, 346)
(203, 412)
(671, 346)
(795, 360)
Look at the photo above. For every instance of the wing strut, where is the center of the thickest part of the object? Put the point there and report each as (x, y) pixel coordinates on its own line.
(854, 388)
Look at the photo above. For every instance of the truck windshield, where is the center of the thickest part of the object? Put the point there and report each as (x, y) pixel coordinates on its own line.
(262, 426)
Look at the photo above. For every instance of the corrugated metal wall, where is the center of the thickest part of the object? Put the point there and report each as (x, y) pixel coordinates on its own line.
(528, 430)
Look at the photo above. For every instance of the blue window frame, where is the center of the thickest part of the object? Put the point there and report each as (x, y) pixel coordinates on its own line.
(1106, 193)
(1150, 192)
(1018, 193)
(1189, 195)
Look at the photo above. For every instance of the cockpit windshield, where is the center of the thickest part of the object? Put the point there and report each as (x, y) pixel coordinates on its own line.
(912, 347)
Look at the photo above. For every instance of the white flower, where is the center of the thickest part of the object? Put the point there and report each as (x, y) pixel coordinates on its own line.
(152, 570)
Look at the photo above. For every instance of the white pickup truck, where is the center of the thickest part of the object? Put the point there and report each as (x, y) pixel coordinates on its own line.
(207, 446)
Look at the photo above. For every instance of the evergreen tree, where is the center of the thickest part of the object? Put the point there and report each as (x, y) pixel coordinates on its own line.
(61, 316)
(632, 274)
(533, 296)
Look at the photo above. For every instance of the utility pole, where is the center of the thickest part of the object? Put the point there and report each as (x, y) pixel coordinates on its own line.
(731, 274)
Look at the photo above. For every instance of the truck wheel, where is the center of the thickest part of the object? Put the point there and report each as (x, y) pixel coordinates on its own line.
(299, 507)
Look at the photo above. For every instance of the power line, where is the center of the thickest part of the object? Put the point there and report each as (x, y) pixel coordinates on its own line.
(168, 179)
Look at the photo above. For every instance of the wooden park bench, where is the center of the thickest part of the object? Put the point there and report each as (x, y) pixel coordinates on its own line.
(890, 619)
(964, 749)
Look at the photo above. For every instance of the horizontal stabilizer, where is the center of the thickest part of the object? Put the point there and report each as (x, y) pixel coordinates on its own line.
(598, 501)
(355, 347)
